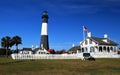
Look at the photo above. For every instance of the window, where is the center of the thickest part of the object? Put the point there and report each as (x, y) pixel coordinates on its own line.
(90, 41)
(86, 42)
(108, 49)
(111, 48)
(100, 49)
(104, 48)
(92, 49)
(82, 49)
(86, 49)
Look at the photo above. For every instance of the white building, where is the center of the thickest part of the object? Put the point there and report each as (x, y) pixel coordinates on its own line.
(26, 51)
(41, 51)
(98, 45)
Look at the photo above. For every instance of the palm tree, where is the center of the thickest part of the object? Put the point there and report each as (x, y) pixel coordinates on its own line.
(5, 43)
(11, 42)
(17, 40)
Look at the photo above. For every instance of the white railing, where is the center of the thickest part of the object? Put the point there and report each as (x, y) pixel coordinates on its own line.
(63, 56)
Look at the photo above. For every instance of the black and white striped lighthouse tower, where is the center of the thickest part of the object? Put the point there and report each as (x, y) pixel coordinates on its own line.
(44, 43)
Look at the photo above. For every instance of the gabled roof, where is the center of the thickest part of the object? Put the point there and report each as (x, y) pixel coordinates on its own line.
(36, 49)
(75, 48)
(101, 42)
(27, 49)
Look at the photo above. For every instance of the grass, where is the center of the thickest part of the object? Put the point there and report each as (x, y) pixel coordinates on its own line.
(59, 67)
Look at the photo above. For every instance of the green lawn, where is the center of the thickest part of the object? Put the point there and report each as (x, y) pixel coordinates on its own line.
(59, 67)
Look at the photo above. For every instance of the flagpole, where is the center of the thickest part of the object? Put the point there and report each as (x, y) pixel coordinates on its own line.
(83, 33)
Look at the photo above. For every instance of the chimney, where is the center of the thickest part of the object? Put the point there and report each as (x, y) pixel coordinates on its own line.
(105, 36)
(73, 45)
(89, 34)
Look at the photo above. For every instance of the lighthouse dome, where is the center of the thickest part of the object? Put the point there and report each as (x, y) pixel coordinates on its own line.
(45, 14)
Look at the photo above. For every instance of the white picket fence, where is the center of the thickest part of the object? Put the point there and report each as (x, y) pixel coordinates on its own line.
(63, 56)
(45, 56)
(105, 55)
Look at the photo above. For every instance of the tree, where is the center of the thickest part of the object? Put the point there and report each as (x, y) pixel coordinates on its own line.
(11, 42)
(16, 40)
(5, 43)
(60, 51)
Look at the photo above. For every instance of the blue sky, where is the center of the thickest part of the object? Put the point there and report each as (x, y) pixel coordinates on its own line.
(66, 18)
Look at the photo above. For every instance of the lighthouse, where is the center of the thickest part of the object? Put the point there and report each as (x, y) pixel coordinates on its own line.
(44, 43)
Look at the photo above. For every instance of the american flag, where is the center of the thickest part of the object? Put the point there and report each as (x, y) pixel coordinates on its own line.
(85, 29)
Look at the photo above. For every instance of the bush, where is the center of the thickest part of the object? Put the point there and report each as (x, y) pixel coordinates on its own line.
(3, 51)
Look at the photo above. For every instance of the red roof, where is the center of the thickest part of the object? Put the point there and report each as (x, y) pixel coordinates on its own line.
(50, 50)
(65, 53)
